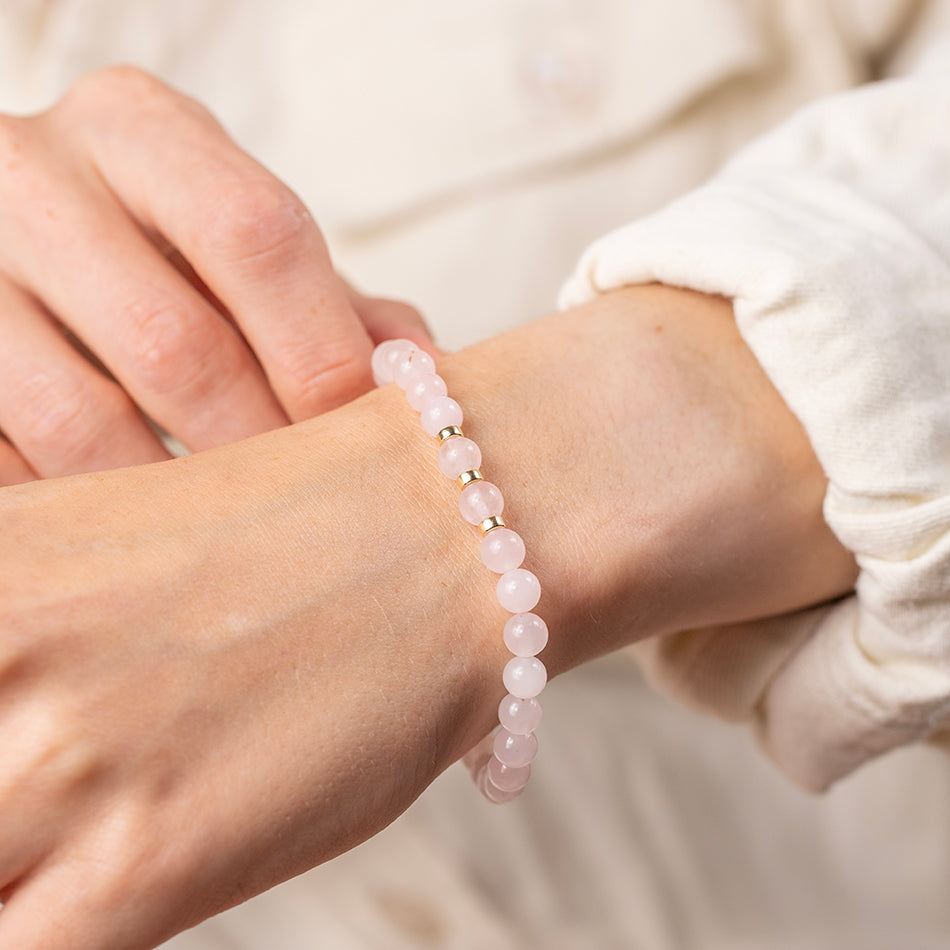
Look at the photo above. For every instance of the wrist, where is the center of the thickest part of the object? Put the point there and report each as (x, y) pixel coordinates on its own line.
(364, 519)
(658, 479)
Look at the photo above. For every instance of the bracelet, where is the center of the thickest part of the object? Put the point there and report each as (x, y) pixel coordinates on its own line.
(500, 764)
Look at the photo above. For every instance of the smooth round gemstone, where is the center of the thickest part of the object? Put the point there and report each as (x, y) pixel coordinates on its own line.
(480, 500)
(525, 634)
(405, 368)
(423, 387)
(385, 356)
(519, 716)
(506, 778)
(518, 590)
(440, 412)
(524, 676)
(457, 455)
(515, 751)
(502, 550)
(477, 757)
(491, 791)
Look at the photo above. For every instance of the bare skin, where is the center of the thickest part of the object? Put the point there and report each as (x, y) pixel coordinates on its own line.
(219, 671)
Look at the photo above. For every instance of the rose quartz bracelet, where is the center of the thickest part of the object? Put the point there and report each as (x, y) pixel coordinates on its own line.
(500, 764)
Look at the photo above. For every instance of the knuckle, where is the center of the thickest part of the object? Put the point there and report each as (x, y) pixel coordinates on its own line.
(319, 378)
(134, 857)
(104, 86)
(123, 93)
(68, 417)
(62, 750)
(167, 350)
(56, 414)
(49, 752)
(260, 218)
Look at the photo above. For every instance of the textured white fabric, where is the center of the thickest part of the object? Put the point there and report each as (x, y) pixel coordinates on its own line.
(832, 237)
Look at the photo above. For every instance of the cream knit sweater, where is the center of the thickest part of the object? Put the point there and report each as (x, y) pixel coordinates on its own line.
(832, 237)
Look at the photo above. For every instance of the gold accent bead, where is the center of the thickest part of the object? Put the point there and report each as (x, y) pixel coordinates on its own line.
(448, 432)
(472, 475)
(495, 521)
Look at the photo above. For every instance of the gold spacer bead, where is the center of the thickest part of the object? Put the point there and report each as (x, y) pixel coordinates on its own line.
(448, 432)
(472, 475)
(495, 521)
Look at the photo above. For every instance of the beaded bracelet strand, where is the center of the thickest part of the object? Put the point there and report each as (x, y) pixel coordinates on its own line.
(500, 764)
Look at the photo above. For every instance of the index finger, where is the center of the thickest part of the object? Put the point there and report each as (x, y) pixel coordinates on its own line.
(246, 234)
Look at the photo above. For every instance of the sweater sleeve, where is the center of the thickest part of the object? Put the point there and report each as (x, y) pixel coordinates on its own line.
(832, 238)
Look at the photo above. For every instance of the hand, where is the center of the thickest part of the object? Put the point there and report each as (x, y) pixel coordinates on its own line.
(136, 237)
(219, 671)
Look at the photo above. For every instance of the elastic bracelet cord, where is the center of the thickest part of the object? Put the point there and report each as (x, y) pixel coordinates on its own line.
(500, 764)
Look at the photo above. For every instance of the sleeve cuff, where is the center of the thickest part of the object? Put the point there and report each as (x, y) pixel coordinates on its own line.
(832, 238)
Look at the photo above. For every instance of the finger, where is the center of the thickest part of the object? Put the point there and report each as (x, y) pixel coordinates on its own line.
(386, 319)
(60, 908)
(13, 469)
(101, 891)
(246, 234)
(61, 414)
(91, 265)
(175, 258)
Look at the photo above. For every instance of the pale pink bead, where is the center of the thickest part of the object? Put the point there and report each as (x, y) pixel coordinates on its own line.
(477, 757)
(505, 778)
(457, 455)
(423, 387)
(480, 500)
(385, 356)
(491, 791)
(524, 676)
(502, 550)
(525, 634)
(404, 369)
(440, 412)
(518, 590)
(519, 716)
(515, 751)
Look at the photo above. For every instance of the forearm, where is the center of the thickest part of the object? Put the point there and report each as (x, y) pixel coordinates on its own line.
(251, 659)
